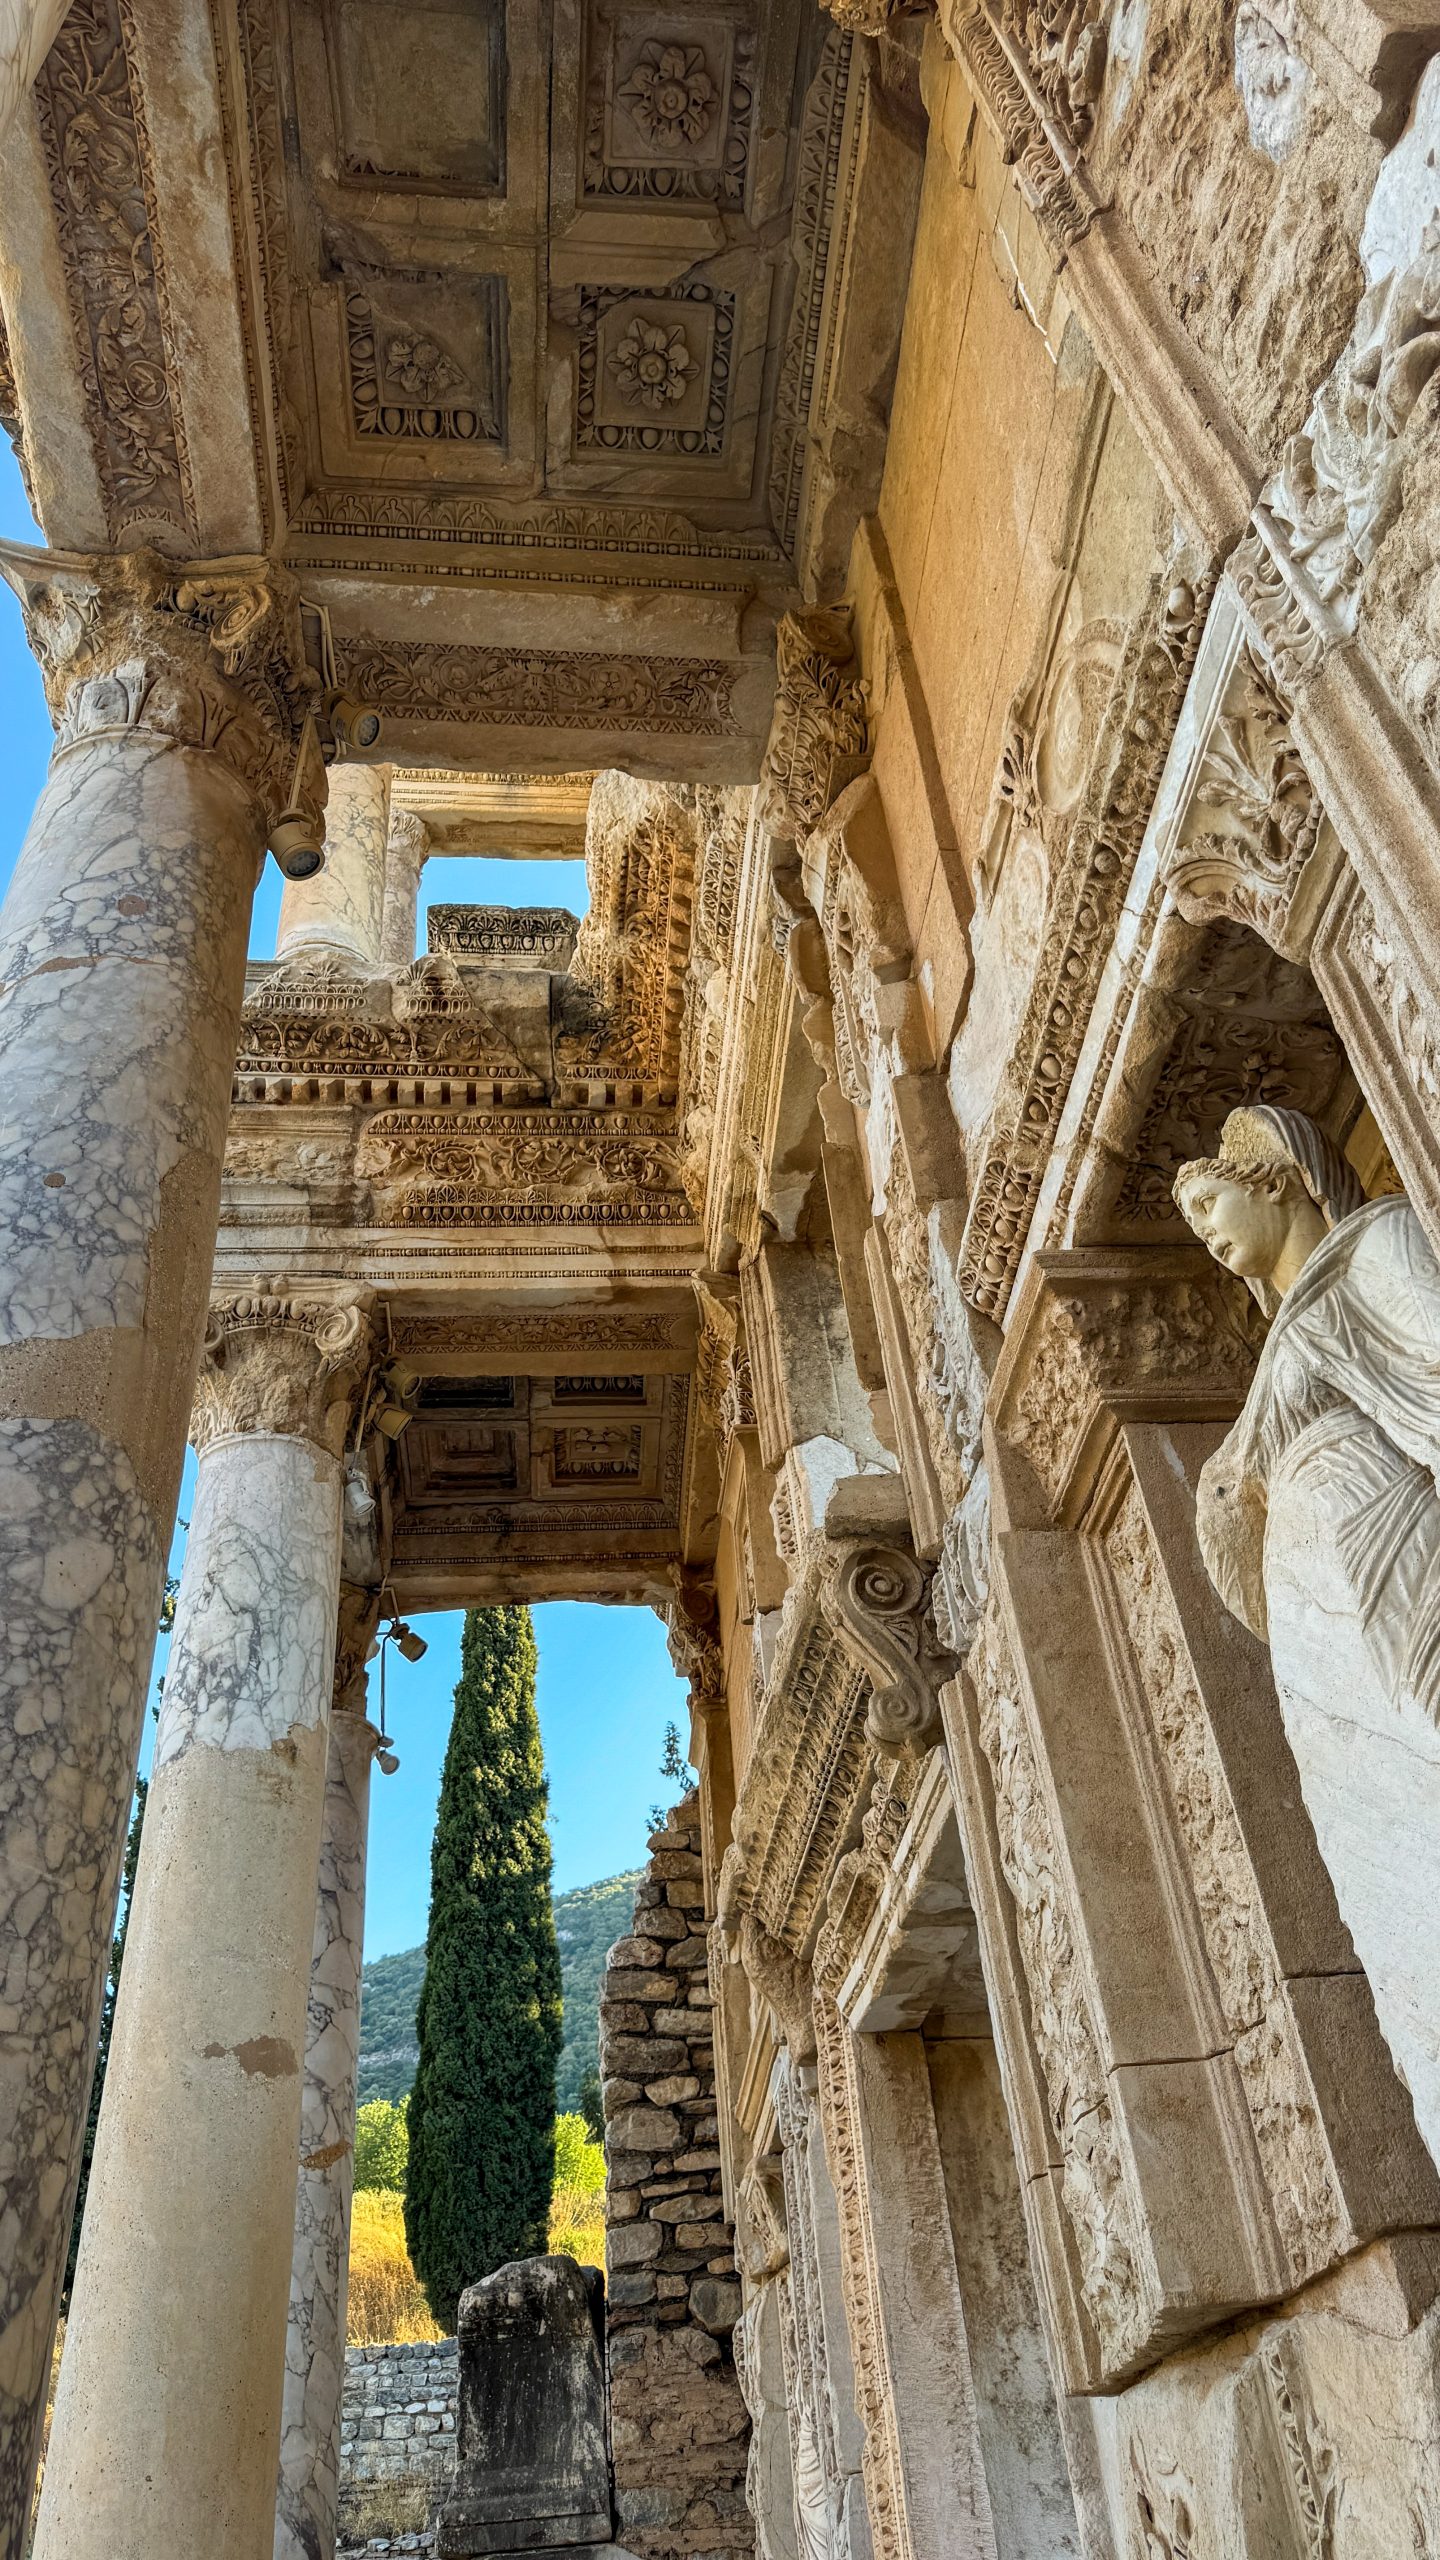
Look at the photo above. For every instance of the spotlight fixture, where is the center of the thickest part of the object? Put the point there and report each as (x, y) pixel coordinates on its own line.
(397, 1391)
(411, 1646)
(297, 846)
(352, 723)
(389, 1762)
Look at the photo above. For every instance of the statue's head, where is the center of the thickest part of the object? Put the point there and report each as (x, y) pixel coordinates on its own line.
(1264, 1202)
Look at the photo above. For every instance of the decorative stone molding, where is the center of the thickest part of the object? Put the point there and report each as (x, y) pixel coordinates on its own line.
(1086, 902)
(1104, 1335)
(542, 688)
(1010, 87)
(883, 1599)
(505, 937)
(284, 1358)
(808, 1766)
(820, 732)
(101, 171)
(1248, 837)
(199, 654)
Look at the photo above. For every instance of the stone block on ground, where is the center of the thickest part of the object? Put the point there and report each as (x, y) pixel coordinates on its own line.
(531, 2469)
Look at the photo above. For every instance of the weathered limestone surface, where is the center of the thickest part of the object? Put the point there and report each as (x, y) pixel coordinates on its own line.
(678, 2423)
(532, 2465)
(797, 1250)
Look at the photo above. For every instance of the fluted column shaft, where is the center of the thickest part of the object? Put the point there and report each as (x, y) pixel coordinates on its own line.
(336, 914)
(122, 961)
(167, 2420)
(307, 2504)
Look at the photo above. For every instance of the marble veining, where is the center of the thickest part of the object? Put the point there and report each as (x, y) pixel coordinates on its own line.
(80, 1575)
(315, 2340)
(254, 1630)
(121, 977)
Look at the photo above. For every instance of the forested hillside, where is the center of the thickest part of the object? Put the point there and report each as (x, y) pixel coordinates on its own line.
(587, 1923)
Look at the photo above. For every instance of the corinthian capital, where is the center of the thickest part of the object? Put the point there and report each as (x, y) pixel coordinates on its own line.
(205, 654)
(284, 1357)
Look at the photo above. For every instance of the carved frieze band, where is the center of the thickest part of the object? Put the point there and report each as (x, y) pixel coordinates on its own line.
(542, 688)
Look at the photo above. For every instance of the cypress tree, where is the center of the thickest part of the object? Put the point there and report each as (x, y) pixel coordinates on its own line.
(482, 2111)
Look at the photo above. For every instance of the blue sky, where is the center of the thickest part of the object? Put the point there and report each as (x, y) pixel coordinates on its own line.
(606, 1688)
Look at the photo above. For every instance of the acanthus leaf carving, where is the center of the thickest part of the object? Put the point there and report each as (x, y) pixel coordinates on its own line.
(285, 1357)
(1087, 897)
(820, 732)
(207, 655)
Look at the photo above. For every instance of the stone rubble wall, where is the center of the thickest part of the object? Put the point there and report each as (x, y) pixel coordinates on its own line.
(679, 2426)
(397, 2446)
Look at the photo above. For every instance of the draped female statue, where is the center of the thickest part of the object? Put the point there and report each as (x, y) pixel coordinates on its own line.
(1319, 1522)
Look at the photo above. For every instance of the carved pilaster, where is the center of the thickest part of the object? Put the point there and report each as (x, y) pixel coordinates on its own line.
(206, 654)
(284, 1358)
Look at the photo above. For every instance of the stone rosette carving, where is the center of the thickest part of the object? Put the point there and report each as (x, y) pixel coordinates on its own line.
(670, 94)
(284, 1358)
(651, 366)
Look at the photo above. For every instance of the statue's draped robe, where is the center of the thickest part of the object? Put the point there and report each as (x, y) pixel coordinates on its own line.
(1319, 1519)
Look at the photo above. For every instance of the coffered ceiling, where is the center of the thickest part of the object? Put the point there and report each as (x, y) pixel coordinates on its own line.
(521, 327)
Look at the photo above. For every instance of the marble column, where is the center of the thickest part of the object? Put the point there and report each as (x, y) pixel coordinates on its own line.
(309, 2491)
(336, 913)
(166, 2428)
(122, 964)
(405, 853)
(28, 28)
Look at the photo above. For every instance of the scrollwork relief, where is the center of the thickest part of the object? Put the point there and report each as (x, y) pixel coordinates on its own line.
(882, 1596)
(101, 181)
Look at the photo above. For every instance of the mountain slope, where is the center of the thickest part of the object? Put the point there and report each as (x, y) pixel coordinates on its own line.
(587, 1923)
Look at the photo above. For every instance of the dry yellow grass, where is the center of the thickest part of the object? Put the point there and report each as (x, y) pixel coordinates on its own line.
(577, 2227)
(387, 2305)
